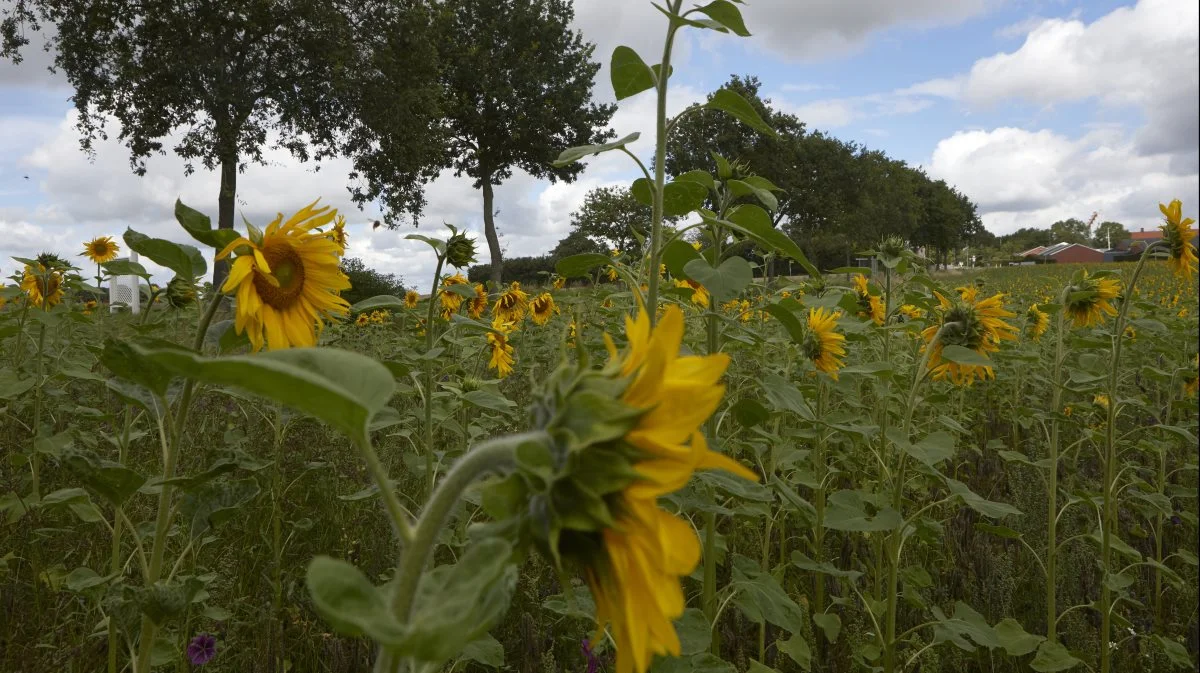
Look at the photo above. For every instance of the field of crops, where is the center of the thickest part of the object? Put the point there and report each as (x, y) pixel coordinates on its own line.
(861, 500)
(666, 459)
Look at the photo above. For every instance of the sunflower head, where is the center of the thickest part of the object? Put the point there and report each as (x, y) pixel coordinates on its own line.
(43, 280)
(558, 282)
(512, 304)
(976, 325)
(286, 279)
(1191, 380)
(822, 344)
(1089, 298)
(450, 299)
(411, 298)
(542, 308)
(89, 306)
(1178, 235)
(460, 250)
(479, 303)
(339, 236)
(362, 320)
(1037, 322)
(620, 437)
(911, 312)
(101, 249)
(502, 351)
(870, 305)
(892, 250)
(181, 292)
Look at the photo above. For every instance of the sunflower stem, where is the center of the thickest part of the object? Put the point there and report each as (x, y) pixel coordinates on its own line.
(894, 541)
(660, 160)
(170, 456)
(428, 397)
(1108, 516)
(494, 455)
(1052, 478)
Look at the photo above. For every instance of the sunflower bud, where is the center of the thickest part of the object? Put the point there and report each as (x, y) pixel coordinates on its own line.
(460, 250)
(181, 292)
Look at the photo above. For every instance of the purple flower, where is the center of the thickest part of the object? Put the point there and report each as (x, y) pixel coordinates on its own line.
(202, 649)
(593, 662)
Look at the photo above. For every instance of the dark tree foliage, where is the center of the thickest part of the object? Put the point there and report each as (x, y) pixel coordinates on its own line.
(609, 217)
(518, 84)
(529, 271)
(228, 75)
(366, 282)
(1071, 230)
(838, 198)
(1109, 234)
(576, 243)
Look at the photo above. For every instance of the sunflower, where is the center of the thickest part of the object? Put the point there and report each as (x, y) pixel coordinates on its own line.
(558, 282)
(89, 306)
(542, 308)
(512, 304)
(634, 574)
(1101, 400)
(1036, 322)
(339, 236)
(977, 325)
(380, 317)
(1191, 381)
(911, 312)
(700, 296)
(1088, 300)
(43, 281)
(870, 305)
(451, 301)
(286, 280)
(1178, 234)
(479, 302)
(969, 293)
(822, 345)
(411, 298)
(502, 351)
(101, 249)
(362, 320)
(612, 273)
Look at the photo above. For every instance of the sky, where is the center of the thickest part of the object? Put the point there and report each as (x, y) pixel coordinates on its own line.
(1038, 110)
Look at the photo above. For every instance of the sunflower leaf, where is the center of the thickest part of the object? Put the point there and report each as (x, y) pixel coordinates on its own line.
(343, 389)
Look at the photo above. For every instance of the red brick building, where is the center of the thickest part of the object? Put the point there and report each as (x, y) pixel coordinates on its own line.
(1065, 253)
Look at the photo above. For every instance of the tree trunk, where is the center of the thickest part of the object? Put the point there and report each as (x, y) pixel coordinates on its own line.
(229, 161)
(489, 231)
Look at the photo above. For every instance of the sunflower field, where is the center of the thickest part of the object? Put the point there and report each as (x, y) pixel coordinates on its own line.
(665, 462)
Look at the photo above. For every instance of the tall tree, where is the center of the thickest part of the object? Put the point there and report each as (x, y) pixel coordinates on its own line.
(518, 85)
(228, 74)
(609, 217)
(1070, 231)
(1109, 234)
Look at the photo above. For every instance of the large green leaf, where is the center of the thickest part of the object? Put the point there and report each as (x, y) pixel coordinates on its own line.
(751, 220)
(1052, 657)
(379, 301)
(573, 154)
(111, 480)
(760, 597)
(199, 226)
(629, 73)
(184, 260)
(965, 356)
(343, 389)
(724, 281)
(732, 103)
(580, 265)
(1015, 640)
(216, 502)
(727, 14)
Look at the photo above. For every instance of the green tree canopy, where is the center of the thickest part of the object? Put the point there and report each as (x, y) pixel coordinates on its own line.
(366, 282)
(518, 85)
(1109, 234)
(1070, 231)
(230, 75)
(609, 217)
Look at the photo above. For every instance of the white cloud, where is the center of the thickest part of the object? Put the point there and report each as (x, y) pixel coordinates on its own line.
(76, 198)
(819, 29)
(829, 113)
(1022, 178)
